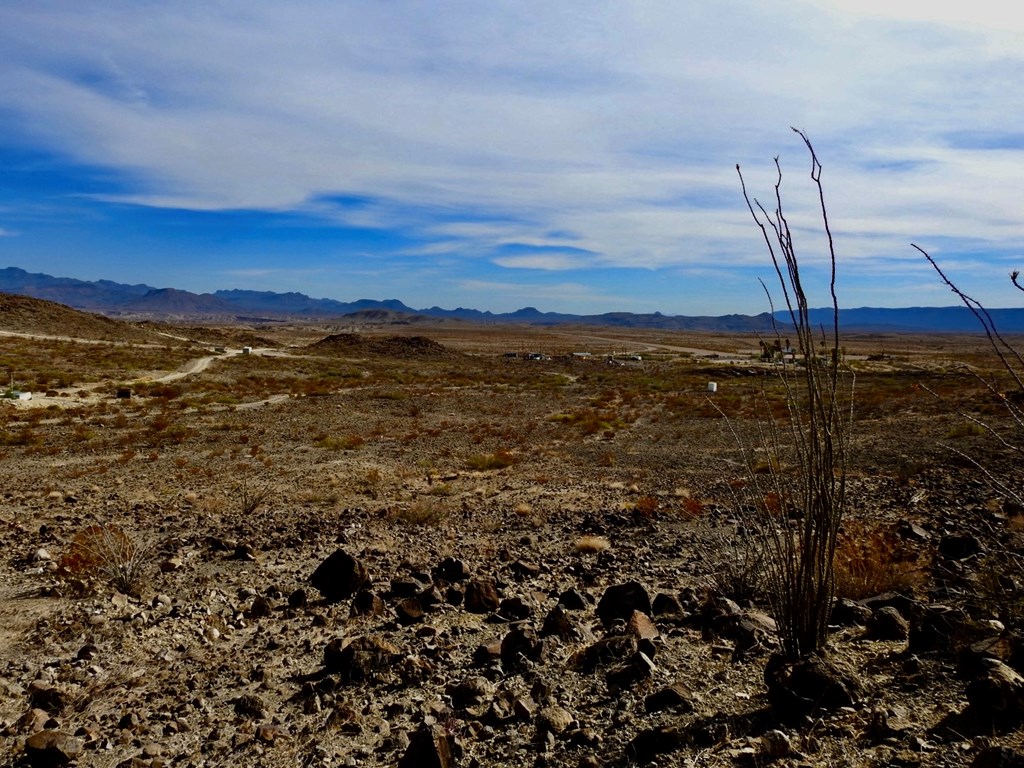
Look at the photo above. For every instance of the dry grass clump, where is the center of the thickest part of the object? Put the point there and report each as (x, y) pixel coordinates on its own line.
(340, 442)
(592, 545)
(423, 511)
(872, 560)
(500, 459)
(106, 551)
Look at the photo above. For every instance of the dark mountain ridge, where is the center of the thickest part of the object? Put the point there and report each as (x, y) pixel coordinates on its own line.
(140, 300)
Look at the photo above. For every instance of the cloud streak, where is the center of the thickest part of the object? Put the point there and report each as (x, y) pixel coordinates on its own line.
(611, 129)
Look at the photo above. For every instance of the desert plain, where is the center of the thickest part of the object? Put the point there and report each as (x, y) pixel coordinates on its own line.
(379, 543)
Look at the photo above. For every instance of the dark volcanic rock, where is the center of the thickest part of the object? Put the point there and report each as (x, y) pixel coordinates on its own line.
(574, 600)
(481, 596)
(339, 576)
(797, 689)
(52, 748)
(620, 600)
(409, 611)
(514, 609)
(451, 569)
(367, 603)
(430, 747)
(959, 546)
(360, 659)
(997, 695)
(647, 745)
(887, 624)
(676, 697)
(519, 646)
(849, 613)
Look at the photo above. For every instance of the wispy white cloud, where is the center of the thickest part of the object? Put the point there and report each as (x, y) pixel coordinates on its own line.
(610, 127)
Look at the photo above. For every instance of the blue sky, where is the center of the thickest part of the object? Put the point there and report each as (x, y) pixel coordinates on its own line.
(572, 156)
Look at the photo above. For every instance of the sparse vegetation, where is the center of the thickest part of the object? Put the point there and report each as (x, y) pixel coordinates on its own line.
(485, 462)
(665, 500)
(107, 552)
(797, 514)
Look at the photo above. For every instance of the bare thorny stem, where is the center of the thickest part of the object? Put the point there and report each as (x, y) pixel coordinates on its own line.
(1013, 363)
(800, 558)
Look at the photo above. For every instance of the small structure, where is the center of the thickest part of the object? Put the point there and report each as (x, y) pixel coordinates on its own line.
(712, 387)
(12, 393)
(246, 350)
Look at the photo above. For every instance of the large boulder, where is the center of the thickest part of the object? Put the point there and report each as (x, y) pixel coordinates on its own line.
(339, 577)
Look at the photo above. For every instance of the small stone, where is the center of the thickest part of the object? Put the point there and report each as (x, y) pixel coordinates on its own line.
(268, 733)
(429, 747)
(554, 719)
(676, 697)
(410, 611)
(775, 744)
(250, 706)
(888, 624)
(641, 627)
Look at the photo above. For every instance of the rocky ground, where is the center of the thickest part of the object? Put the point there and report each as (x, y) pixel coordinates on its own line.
(410, 555)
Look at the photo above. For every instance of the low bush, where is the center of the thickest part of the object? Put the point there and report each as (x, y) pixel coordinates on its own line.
(107, 552)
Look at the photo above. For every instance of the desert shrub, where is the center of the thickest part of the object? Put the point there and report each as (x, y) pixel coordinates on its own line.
(736, 568)
(646, 507)
(591, 544)
(967, 429)
(23, 436)
(107, 552)
(793, 511)
(441, 489)
(500, 459)
(421, 512)
(250, 493)
(340, 443)
(872, 560)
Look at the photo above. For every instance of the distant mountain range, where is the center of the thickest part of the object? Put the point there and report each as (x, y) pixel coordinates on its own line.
(143, 301)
